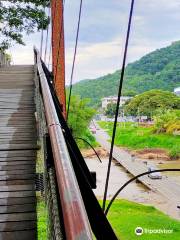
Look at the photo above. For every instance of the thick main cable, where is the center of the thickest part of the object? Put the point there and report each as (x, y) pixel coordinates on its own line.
(74, 58)
(134, 178)
(118, 104)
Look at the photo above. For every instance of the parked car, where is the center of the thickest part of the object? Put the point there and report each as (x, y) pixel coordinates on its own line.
(155, 175)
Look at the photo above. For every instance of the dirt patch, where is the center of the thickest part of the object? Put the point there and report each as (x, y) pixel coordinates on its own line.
(152, 153)
(89, 153)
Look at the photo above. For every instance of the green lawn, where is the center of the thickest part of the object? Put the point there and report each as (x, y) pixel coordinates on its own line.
(42, 220)
(136, 137)
(125, 216)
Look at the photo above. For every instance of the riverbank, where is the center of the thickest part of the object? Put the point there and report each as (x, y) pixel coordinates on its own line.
(141, 140)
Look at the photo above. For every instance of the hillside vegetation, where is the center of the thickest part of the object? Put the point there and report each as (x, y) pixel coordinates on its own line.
(157, 70)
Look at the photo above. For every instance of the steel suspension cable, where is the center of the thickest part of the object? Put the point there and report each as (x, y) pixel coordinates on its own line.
(118, 103)
(42, 34)
(42, 38)
(47, 35)
(50, 52)
(84, 140)
(134, 178)
(74, 57)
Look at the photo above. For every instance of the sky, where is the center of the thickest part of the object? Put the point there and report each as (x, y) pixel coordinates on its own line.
(155, 24)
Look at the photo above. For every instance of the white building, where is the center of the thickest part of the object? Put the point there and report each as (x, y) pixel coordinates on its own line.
(177, 91)
(105, 101)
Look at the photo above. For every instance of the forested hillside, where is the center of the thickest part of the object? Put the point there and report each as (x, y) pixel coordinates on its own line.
(157, 70)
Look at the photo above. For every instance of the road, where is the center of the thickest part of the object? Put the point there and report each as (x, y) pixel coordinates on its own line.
(165, 186)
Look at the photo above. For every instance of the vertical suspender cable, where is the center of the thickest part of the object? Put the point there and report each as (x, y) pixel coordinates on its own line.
(41, 47)
(74, 58)
(118, 103)
(42, 33)
(47, 35)
(50, 52)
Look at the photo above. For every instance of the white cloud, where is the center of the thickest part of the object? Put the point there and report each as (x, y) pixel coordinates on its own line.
(102, 58)
(102, 34)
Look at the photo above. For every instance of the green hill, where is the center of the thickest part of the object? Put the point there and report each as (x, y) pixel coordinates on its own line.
(157, 70)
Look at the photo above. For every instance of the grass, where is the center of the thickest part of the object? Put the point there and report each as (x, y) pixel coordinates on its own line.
(125, 216)
(88, 136)
(137, 137)
(42, 220)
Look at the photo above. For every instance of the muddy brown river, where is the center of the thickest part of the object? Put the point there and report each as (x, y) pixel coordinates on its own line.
(134, 191)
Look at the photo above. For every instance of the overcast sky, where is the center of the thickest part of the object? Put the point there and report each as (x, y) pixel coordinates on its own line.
(156, 23)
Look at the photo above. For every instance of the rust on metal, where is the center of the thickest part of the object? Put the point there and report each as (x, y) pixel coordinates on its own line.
(58, 55)
(74, 214)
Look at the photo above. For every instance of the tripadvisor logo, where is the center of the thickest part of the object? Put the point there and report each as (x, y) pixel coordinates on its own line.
(139, 231)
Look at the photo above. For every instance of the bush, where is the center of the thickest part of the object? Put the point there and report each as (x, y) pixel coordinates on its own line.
(168, 122)
(174, 153)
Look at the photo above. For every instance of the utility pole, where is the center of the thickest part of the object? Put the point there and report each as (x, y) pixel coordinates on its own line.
(58, 52)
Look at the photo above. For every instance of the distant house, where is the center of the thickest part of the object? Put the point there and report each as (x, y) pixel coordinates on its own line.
(105, 101)
(177, 91)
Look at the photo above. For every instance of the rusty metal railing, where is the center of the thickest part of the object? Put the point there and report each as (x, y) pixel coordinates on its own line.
(76, 223)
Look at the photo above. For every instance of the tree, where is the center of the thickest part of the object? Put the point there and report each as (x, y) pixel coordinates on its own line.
(148, 103)
(168, 122)
(111, 109)
(80, 116)
(18, 16)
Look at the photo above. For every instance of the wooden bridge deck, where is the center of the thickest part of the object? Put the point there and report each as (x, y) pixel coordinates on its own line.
(17, 154)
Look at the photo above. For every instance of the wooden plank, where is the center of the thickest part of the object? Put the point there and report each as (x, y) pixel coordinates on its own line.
(18, 146)
(14, 141)
(18, 208)
(17, 153)
(17, 182)
(20, 139)
(15, 226)
(17, 172)
(14, 188)
(17, 177)
(17, 161)
(18, 167)
(19, 235)
(15, 201)
(18, 120)
(20, 194)
(11, 128)
(17, 217)
(18, 133)
(17, 125)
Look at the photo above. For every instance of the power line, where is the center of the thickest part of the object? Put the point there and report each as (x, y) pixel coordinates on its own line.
(74, 58)
(134, 178)
(118, 104)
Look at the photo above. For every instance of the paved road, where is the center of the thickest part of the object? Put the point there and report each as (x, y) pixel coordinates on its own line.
(166, 187)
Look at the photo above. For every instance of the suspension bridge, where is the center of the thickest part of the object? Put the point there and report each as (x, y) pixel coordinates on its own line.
(34, 124)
